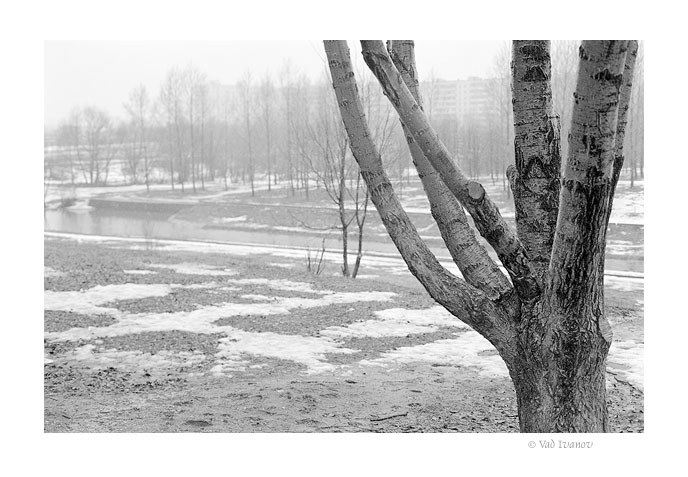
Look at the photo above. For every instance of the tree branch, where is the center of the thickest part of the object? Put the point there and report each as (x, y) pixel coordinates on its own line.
(469, 255)
(461, 299)
(535, 182)
(574, 283)
(624, 105)
(471, 195)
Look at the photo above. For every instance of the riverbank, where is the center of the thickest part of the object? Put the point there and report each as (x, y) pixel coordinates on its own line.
(277, 217)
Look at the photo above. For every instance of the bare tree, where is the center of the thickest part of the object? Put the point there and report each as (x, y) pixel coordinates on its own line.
(138, 108)
(267, 92)
(500, 95)
(247, 104)
(326, 148)
(98, 145)
(69, 139)
(286, 80)
(547, 322)
(171, 98)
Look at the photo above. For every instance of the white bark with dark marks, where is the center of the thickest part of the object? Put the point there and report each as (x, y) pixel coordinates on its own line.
(469, 255)
(486, 216)
(464, 301)
(535, 180)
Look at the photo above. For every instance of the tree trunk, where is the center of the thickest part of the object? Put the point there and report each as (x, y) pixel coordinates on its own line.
(549, 328)
(543, 406)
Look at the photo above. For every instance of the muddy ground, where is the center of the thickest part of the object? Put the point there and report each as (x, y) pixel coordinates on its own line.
(265, 394)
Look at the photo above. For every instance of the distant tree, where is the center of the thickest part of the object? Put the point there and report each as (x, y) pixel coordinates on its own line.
(325, 146)
(98, 145)
(138, 109)
(286, 81)
(547, 322)
(302, 111)
(500, 97)
(247, 106)
(171, 99)
(193, 82)
(267, 93)
(69, 138)
(228, 136)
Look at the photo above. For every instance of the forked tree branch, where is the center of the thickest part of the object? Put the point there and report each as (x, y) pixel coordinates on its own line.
(469, 255)
(535, 180)
(464, 301)
(471, 195)
(624, 105)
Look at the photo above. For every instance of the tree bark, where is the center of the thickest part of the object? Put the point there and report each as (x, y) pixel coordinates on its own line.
(535, 180)
(470, 194)
(461, 299)
(469, 255)
(556, 339)
(577, 335)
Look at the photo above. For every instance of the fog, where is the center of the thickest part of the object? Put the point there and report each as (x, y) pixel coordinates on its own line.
(101, 73)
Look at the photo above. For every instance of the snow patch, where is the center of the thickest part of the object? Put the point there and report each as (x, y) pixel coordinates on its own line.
(51, 273)
(397, 322)
(229, 220)
(462, 351)
(139, 272)
(200, 320)
(79, 206)
(284, 285)
(306, 350)
(626, 361)
(90, 301)
(281, 265)
(195, 269)
(627, 284)
(100, 358)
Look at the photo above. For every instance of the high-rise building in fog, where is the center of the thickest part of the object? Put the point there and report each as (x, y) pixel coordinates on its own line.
(465, 100)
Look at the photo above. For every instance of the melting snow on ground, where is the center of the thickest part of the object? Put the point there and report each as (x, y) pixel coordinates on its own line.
(51, 273)
(90, 301)
(626, 361)
(309, 351)
(462, 351)
(306, 350)
(195, 269)
(627, 284)
(284, 285)
(396, 322)
(229, 220)
(100, 358)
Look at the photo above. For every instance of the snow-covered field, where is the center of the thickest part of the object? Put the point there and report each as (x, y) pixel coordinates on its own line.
(236, 347)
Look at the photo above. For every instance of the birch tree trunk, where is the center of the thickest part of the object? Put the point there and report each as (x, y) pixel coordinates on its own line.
(549, 327)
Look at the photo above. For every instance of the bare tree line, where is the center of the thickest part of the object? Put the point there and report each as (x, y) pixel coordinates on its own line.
(193, 131)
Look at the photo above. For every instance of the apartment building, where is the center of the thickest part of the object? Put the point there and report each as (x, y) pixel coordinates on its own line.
(465, 100)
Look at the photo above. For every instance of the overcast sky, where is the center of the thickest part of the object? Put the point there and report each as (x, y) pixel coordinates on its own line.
(101, 73)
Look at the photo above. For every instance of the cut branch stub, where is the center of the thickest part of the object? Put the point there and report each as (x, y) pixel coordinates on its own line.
(476, 191)
(486, 216)
(467, 252)
(461, 299)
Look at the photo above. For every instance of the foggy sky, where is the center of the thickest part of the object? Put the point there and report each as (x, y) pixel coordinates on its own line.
(101, 73)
